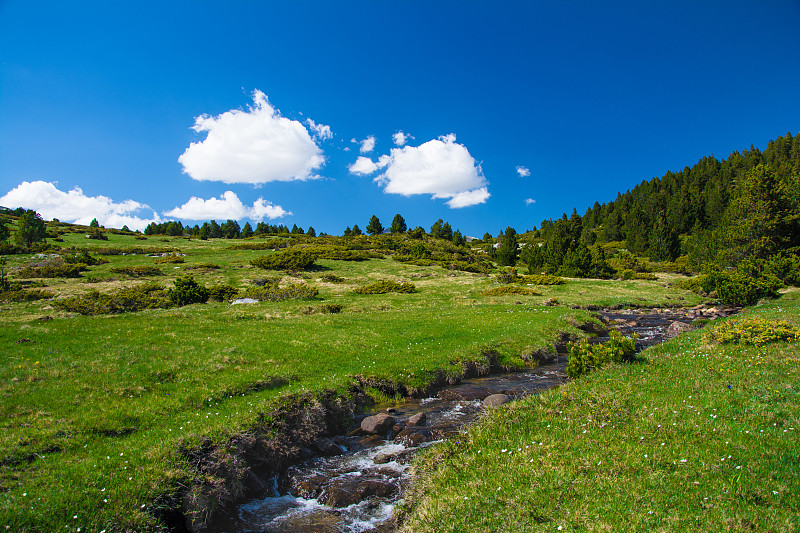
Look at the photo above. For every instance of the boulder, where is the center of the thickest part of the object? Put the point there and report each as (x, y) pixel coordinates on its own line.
(496, 399)
(417, 420)
(327, 447)
(676, 328)
(346, 491)
(378, 424)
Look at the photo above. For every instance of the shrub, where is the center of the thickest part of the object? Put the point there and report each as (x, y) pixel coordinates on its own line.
(506, 290)
(629, 274)
(349, 255)
(383, 287)
(137, 271)
(585, 356)
(740, 289)
(147, 296)
(693, 284)
(542, 279)
(753, 330)
(325, 309)
(187, 291)
(286, 260)
(20, 295)
(203, 266)
(52, 270)
(84, 257)
(169, 259)
(481, 267)
(332, 278)
(221, 293)
(274, 293)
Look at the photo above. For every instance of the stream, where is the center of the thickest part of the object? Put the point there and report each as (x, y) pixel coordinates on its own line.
(356, 484)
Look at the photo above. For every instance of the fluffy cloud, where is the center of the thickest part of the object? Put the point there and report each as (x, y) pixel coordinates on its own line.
(75, 207)
(367, 145)
(400, 138)
(321, 131)
(440, 167)
(529, 201)
(363, 166)
(254, 146)
(227, 206)
(523, 172)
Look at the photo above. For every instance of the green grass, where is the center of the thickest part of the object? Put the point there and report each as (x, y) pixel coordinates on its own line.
(697, 437)
(96, 409)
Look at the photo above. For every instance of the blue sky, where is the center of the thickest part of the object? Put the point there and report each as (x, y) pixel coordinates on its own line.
(99, 100)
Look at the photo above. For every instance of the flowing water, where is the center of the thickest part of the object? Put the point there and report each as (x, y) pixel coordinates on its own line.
(357, 489)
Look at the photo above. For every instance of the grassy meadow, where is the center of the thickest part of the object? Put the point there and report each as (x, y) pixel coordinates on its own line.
(96, 410)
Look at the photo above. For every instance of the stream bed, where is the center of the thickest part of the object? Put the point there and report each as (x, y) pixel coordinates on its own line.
(354, 485)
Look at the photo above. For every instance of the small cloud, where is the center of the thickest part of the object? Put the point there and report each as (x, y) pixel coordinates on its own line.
(321, 131)
(529, 201)
(440, 167)
(363, 166)
(75, 207)
(367, 145)
(254, 146)
(400, 138)
(227, 206)
(523, 171)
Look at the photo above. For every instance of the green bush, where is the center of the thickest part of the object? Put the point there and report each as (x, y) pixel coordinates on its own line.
(753, 330)
(146, 296)
(274, 293)
(84, 257)
(222, 293)
(693, 284)
(324, 309)
(740, 289)
(506, 290)
(383, 287)
(286, 260)
(629, 274)
(52, 270)
(541, 279)
(478, 267)
(20, 295)
(170, 259)
(137, 271)
(329, 277)
(187, 291)
(585, 356)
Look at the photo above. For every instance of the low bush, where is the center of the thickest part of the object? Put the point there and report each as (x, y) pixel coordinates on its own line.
(286, 260)
(22, 295)
(542, 279)
(187, 291)
(222, 293)
(170, 259)
(133, 250)
(137, 271)
(83, 256)
(629, 274)
(274, 293)
(349, 255)
(753, 330)
(383, 287)
(507, 290)
(272, 244)
(202, 266)
(332, 278)
(478, 267)
(740, 289)
(585, 356)
(324, 309)
(693, 284)
(146, 296)
(52, 270)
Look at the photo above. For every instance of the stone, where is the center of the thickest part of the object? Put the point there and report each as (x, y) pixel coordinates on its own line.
(677, 327)
(347, 491)
(496, 399)
(244, 301)
(412, 438)
(327, 447)
(378, 424)
(418, 419)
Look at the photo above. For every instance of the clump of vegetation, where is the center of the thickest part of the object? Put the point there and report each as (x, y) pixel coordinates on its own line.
(133, 250)
(222, 293)
(629, 274)
(286, 260)
(507, 290)
(203, 266)
(146, 296)
(170, 259)
(330, 277)
(585, 356)
(386, 286)
(542, 279)
(83, 256)
(137, 271)
(187, 291)
(22, 295)
(324, 309)
(52, 269)
(478, 267)
(272, 244)
(739, 288)
(694, 284)
(753, 330)
(275, 293)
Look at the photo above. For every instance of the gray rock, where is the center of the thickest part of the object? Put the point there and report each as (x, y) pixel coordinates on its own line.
(327, 447)
(244, 301)
(378, 424)
(496, 399)
(417, 420)
(676, 328)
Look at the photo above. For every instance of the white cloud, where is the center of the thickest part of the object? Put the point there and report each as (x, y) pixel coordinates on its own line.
(529, 201)
(440, 167)
(367, 145)
(400, 138)
(75, 207)
(321, 131)
(363, 166)
(227, 206)
(254, 146)
(523, 172)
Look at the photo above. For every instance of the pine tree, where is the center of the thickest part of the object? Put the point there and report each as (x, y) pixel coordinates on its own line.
(374, 226)
(398, 224)
(356, 230)
(30, 229)
(508, 251)
(247, 230)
